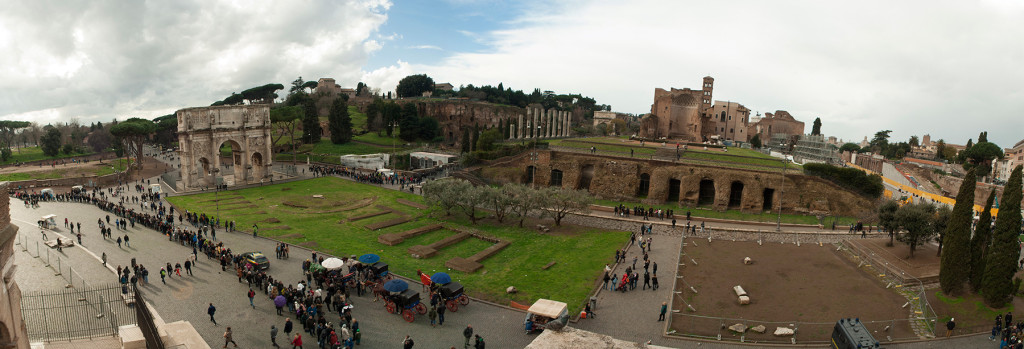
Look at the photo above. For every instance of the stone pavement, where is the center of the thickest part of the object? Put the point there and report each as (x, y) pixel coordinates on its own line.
(186, 298)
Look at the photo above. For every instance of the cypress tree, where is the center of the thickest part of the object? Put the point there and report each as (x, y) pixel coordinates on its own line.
(980, 243)
(954, 269)
(464, 142)
(1001, 262)
(340, 122)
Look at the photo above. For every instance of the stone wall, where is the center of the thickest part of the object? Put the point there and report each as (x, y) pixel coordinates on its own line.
(13, 331)
(93, 181)
(619, 178)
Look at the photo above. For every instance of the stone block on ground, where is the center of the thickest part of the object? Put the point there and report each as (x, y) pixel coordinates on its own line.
(420, 251)
(511, 290)
(783, 331)
(412, 204)
(463, 265)
(388, 223)
(391, 239)
(744, 300)
(490, 251)
(738, 328)
(758, 329)
(748, 261)
(739, 290)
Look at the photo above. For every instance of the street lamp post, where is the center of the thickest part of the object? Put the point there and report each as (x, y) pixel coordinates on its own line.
(393, 124)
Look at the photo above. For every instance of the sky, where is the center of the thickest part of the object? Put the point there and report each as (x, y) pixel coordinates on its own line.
(947, 68)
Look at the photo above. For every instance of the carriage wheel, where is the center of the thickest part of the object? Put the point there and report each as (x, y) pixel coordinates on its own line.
(464, 300)
(408, 316)
(390, 306)
(420, 308)
(452, 305)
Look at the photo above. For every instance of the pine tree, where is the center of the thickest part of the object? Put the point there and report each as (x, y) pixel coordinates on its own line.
(1001, 262)
(980, 243)
(464, 142)
(953, 270)
(339, 122)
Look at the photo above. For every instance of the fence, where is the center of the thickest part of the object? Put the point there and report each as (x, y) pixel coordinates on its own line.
(920, 323)
(75, 313)
(60, 265)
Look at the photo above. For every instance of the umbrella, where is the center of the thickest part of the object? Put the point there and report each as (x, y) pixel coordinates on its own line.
(440, 278)
(279, 301)
(332, 263)
(369, 258)
(396, 285)
(315, 267)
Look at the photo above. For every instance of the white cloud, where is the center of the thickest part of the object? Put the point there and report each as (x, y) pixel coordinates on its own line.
(125, 59)
(386, 78)
(426, 47)
(917, 67)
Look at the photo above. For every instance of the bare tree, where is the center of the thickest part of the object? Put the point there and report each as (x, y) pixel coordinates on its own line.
(561, 202)
(525, 200)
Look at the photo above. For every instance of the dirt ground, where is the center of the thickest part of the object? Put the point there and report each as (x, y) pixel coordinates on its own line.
(812, 285)
(151, 168)
(924, 265)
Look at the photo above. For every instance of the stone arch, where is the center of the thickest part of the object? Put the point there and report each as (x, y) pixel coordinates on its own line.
(586, 175)
(735, 194)
(645, 185)
(201, 133)
(706, 193)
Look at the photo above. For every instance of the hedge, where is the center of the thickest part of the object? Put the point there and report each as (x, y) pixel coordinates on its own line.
(849, 178)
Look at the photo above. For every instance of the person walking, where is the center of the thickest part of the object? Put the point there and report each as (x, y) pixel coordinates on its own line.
(647, 280)
(432, 314)
(468, 333)
(407, 343)
(440, 316)
(297, 341)
(654, 282)
(118, 242)
(228, 338)
(163, 276)
(252, 294)
(950, 326)
(273, 336)
(104, 258)
(664, 309)
(288, 327)
(126, 243)
(211, 310)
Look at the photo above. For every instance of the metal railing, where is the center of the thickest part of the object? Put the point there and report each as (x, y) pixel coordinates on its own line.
(60, 264)
(75, 313)
(904, 283)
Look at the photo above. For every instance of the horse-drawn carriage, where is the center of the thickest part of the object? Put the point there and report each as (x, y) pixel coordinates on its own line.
(452, 294)
(400, 299)
(546, 314)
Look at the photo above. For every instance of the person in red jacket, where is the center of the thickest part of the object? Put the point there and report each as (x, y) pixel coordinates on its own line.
(297, 341)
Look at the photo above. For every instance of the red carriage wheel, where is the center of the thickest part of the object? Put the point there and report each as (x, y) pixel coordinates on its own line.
(420, 308)
(408, 316)
(390, 306)
(463, 299)
(452, 305)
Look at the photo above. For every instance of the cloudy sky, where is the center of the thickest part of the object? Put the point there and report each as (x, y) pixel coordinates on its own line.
(948, 68)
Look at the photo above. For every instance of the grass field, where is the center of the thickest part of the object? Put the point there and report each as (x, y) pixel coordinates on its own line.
(98, 170)
(384, 141)
(358, 119)
(579, 252)
(34, 154)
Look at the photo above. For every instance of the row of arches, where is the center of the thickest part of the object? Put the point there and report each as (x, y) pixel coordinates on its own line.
(241, 167)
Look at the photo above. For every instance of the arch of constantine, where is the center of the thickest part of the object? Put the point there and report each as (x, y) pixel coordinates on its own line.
(203, 131)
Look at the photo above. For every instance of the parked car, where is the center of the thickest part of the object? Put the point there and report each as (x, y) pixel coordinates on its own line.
(256, 259)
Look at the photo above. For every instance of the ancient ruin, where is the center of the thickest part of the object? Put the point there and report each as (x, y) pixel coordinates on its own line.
(13, 333)
(680, 114)
(203, 131)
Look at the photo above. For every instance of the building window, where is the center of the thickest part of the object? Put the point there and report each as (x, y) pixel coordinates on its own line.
(731, 131)
(556, 178)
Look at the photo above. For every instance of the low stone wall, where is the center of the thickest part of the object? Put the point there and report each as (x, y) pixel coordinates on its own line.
(100, 181)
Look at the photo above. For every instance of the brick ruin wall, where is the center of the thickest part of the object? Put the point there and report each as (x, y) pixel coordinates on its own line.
(616, 178)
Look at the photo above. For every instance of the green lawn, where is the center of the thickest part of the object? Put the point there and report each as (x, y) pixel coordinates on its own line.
(707, 212)
(35, 154)
(358, 119)
(579, 252)
(108, 168)
(384, 140)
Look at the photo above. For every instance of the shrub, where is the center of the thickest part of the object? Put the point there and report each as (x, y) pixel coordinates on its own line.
(849, 178)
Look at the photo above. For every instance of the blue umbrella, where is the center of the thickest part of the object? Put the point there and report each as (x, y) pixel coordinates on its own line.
(279, 301)
(369, 258)
(396, 285)
(440, 278)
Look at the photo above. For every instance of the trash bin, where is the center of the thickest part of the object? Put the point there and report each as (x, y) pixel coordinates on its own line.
(593, 302)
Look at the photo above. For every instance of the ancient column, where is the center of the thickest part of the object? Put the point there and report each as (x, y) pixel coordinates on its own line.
(551, 122)
(519, 125)
(536, 120)
(568, 123)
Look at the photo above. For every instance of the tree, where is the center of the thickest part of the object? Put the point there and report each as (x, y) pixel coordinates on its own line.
(67, 149)
(487, 140)
(296, 86)
(881, 140)
(311, 131)
(166, 130)
(339, 122)
(429, 128)
(953, 271)
(442, 193)
(470, 198)
(941, 221)
(409, 123)
(756, 141)
(816, 128)
(916, 220)
(133, 132)
(1001, 262)
(524, 201)
(8, 129)
(5, 154)
(983, 137)
(414, 85)
(50, 141)
(286, 120)
(850, 147)
(464, 141)
(559, 202)
(980, 156)
(499, 201)
(980, 243)
(99, 140)
(887, 218)
(914, 141)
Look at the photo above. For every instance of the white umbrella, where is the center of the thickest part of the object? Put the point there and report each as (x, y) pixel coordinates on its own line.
(332, 263)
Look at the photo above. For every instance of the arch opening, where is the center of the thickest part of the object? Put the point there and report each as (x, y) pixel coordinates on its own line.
(706, 194)
(735, 194)
(586, 175)
(645, 185)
